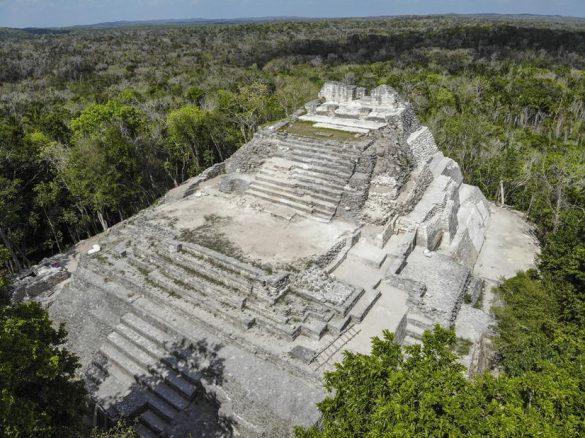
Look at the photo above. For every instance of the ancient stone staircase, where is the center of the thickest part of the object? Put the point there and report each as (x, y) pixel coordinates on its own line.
(306, 175)
(208, 285)
(139, 356)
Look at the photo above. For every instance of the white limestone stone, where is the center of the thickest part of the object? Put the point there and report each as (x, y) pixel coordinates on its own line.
(422, 145)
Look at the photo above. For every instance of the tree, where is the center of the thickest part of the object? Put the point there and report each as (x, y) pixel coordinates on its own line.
(4, 258)
(39, 395)
(103, 166)
(421, 390)
(251, 106)
(198, 138)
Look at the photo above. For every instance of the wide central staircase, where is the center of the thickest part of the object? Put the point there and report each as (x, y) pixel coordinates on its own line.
(306, 175)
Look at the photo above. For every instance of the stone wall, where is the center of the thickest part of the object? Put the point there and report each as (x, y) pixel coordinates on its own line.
(338, 92)
(249, 158)
(422, 145)
(355, 194)
(31, 287)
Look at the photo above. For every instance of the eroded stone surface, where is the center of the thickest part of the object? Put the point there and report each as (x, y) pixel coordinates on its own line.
(219, 309)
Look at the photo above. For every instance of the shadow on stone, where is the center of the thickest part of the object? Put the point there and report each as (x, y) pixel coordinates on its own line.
(171, 397)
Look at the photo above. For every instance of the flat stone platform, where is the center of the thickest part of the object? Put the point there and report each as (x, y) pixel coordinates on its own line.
(259, 234)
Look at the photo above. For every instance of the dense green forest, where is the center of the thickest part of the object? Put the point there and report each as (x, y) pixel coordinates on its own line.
(98, 124)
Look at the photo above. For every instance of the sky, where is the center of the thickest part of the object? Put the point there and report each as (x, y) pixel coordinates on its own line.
(53, 13)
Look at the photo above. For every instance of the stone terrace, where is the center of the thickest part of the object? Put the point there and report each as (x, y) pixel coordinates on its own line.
(216, 311)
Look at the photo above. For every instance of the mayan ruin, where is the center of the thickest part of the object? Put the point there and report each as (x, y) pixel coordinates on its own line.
(236, 292)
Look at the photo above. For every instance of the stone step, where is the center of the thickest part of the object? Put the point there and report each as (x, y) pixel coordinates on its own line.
(170, 343)
(210, 294)
(330, 180)
(186, 389)
(343, 167)
(203, 269)
(409, 340)
(342, 126)
(338, 324)
(337, 186)
(121, 379)
(176, 317)
(160, 407)
(293, 186)
(323, 156)
(151, 348)
(276, 199)
(161, 314)
(343, 123)
(419, 321)
(321, 169)
(310, 205)
(316, 149)
(143, 431)
(344, 161)
(313, 328)
(326, 186)
(155, 425)
(148, 331)
(323, 144)
(335, 181)
(163, 299)
(364, 304)
(243, 277)
(235, 309)
(414, 331)
(245, 309)
(221, 306)
(205, 274)
(339, 153)
(289, 165)
(167, 395)
(296, 192)
(232, 264)
(315, 190)
(146, 363)
(177, 278)
(318, 190)
(176, 362)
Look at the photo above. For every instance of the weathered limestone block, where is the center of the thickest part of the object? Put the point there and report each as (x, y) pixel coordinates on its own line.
(311, 107)
(303, 354)
(338, 92)
(354, 196)
(250, 158)
(192, 184)
(233, 184)
(384, 95)
(31, 287)
(416, 289)
(472, 217)
(319, 285)
(422, 145)
(410, 122)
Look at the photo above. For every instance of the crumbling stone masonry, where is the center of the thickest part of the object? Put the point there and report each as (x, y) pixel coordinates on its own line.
(219, 309)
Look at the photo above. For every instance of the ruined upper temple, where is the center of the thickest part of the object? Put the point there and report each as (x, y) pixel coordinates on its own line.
(218, 309)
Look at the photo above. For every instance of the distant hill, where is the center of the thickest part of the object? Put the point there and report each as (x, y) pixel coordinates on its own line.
(181, 21)
(14, 32)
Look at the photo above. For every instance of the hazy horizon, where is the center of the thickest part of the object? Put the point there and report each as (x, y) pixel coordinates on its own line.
(62, 13)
